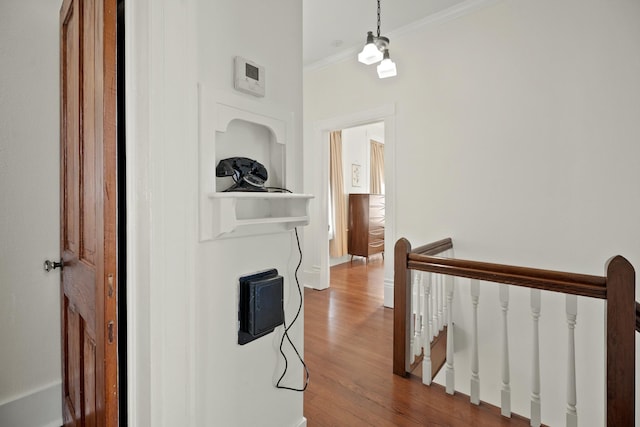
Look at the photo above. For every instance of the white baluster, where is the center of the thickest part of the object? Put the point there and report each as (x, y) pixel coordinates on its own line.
(445, 280)
(434, 304)
(417, 342)
(412, 319)
(572, 314)
(449, 371)
(506, 387)
(475, 364)
(423, 309)
(441, 299)
(426, 361)
(535, 366)
(432, 288)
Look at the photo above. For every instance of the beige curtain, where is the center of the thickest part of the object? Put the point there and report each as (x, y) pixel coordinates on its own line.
(377, 168)
(337, 245)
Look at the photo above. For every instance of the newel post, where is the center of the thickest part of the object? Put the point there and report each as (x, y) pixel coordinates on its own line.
(621, 329)
(401, 307)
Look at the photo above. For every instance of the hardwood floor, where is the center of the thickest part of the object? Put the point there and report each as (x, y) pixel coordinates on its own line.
(348, 348)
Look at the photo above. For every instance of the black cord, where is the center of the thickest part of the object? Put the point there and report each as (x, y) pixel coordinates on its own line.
(286, 328)
(286, 331)
(277, 190)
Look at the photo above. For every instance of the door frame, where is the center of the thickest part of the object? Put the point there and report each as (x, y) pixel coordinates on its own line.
(160, 83)
(384, 113)
(138, 216)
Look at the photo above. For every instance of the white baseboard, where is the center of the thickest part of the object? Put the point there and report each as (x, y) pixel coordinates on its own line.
(312, 278)
(388, 293)
(339, 260)
(41, 408)
(303, 422)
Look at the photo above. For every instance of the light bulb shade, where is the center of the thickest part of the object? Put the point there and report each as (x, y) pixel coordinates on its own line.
(370, 53)
(387, 68)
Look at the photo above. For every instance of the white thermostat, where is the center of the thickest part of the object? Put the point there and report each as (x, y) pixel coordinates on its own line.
(249, 77)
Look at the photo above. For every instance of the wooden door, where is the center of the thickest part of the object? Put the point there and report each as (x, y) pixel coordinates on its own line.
(88, 212)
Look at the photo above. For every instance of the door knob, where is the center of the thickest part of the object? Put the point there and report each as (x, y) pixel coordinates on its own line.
(52, 265)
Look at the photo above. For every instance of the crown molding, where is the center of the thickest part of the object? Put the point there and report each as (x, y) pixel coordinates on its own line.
(454, 12)
(343, 55)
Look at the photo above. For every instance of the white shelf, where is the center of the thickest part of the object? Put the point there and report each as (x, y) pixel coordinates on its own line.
(237, 214)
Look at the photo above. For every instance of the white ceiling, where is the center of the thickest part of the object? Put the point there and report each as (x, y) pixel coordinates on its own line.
(332, 26)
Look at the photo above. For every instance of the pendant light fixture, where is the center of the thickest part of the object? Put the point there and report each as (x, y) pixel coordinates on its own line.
(376, 49)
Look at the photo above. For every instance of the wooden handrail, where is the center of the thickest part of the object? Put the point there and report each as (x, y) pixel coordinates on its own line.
(549, 280)
(617, 287)
(434, 248)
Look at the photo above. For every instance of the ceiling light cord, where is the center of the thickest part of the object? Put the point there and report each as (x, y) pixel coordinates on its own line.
(378, 18)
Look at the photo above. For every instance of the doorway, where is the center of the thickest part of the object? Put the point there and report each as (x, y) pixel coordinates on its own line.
(317, 244)
(357, 169)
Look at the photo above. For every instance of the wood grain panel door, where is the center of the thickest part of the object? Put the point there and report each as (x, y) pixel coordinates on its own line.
(88, 212)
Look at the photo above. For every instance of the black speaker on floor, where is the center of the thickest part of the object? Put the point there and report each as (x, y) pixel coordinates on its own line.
(261, 305)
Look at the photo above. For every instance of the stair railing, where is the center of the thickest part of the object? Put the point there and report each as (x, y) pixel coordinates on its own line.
(617, 287)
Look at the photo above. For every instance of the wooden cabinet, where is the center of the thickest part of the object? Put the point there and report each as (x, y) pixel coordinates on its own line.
(366, 224)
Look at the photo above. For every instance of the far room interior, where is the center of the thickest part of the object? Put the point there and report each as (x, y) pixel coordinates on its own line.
(356, 166)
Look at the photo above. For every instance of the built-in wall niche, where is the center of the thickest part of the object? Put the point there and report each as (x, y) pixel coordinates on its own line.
(257, 132)
(255, 141)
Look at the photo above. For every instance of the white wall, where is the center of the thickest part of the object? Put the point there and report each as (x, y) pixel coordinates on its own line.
(235, 384)
(189, 369)
(356, 149)
(516, 135)
(29, 214)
